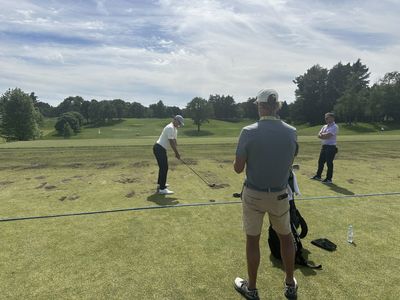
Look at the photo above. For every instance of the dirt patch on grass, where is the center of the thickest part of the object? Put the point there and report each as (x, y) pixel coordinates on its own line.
(106, 165)
(65, 180)
(4, 183)
(74, 165)
(50, 187)
(220, 186)
(224, 161)
(34, 166)
(190, 161)
(130, 194)
(351, 181)
(42, 185)
(126, 180)
(72, 197)
(45, 186)
(40, 177)
(140, 164)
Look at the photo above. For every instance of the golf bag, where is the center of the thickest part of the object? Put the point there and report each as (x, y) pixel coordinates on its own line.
(296, 222)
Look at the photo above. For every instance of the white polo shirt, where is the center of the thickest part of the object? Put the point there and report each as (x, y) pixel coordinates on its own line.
(169, 133)
(333, 129)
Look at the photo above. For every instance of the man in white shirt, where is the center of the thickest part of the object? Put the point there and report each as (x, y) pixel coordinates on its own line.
(167, 139)
(327, 134)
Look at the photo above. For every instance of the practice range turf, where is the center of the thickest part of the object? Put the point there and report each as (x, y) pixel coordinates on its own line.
(186, 252)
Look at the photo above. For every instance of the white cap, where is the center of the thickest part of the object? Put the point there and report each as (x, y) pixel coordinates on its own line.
(263, 95)
(180, 119)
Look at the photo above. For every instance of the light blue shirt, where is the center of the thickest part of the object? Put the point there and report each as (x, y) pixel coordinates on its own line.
(268, 147)
(330, 128)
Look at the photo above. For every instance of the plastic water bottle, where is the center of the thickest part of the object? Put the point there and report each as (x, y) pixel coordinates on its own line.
(350, 234)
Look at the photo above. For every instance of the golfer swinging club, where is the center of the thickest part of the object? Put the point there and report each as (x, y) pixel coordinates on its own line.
(166, 139)
(266, 149)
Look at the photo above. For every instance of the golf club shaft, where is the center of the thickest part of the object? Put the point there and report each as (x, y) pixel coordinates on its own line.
(205, 181)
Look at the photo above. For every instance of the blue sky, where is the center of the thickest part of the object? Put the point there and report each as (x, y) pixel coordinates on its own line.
(173, 51)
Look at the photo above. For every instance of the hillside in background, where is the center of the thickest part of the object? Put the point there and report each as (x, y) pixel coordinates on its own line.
(131, 128)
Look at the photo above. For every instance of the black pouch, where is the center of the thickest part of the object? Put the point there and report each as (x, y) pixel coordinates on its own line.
(324, 244)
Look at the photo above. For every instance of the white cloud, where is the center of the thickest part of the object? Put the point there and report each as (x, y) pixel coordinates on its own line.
(176, 50)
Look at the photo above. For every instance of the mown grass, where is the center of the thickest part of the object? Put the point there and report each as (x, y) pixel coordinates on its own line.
(138, 128)
(193, 252)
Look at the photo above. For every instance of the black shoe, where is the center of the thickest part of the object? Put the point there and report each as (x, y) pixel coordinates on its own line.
(327, 181)
(316, 177)
(290, 291)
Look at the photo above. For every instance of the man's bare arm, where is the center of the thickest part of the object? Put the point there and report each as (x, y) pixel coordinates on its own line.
(173, 144)
(239, 164)
(325, 136)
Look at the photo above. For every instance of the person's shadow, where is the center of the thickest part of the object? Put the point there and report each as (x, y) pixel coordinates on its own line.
(162, 200)
(339, 189)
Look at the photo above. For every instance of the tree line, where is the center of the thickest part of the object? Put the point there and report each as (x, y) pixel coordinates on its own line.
(343, 89)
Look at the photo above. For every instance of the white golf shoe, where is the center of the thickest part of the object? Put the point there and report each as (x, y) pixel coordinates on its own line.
(165, 192)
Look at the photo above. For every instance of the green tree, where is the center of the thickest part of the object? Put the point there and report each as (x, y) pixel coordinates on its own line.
(67, 130)
(73, 119)
(390, 86)
(120, 108)
(310, 94)
(46, 109)
(70, 104)
(360, 75)
(94, 112)
(336, 84)
(351, 106)
(136, 110)
(107, 110)
(199, 110)
(171, 111)
(374, 109)
(249, 109)
(158, 109)
(18, 116)
(224, 107)
(284, 111)
(85, 110)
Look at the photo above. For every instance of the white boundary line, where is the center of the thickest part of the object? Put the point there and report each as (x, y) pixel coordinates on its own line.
(182, 205)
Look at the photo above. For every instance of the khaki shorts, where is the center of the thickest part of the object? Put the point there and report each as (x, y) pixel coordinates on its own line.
(255, 204)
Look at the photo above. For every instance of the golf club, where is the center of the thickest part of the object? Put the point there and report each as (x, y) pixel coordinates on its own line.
(205, 181)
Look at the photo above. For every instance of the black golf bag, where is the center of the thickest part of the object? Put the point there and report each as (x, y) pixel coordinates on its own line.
(296, 222)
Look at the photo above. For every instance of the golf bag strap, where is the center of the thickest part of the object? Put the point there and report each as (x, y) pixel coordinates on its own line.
(306, 263)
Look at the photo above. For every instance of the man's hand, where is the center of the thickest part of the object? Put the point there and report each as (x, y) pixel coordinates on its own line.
(177, 155)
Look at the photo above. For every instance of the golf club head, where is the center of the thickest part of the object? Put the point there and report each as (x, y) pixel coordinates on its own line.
(296, 167)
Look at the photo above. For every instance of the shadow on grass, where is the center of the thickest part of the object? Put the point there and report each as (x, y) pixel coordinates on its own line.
(197, 133)
(339, 189)
(306, 271)
(162, 200)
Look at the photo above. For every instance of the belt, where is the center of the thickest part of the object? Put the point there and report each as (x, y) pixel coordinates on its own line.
(268, 190)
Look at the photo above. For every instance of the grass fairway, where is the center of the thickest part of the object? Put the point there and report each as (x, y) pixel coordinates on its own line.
(185, 252)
